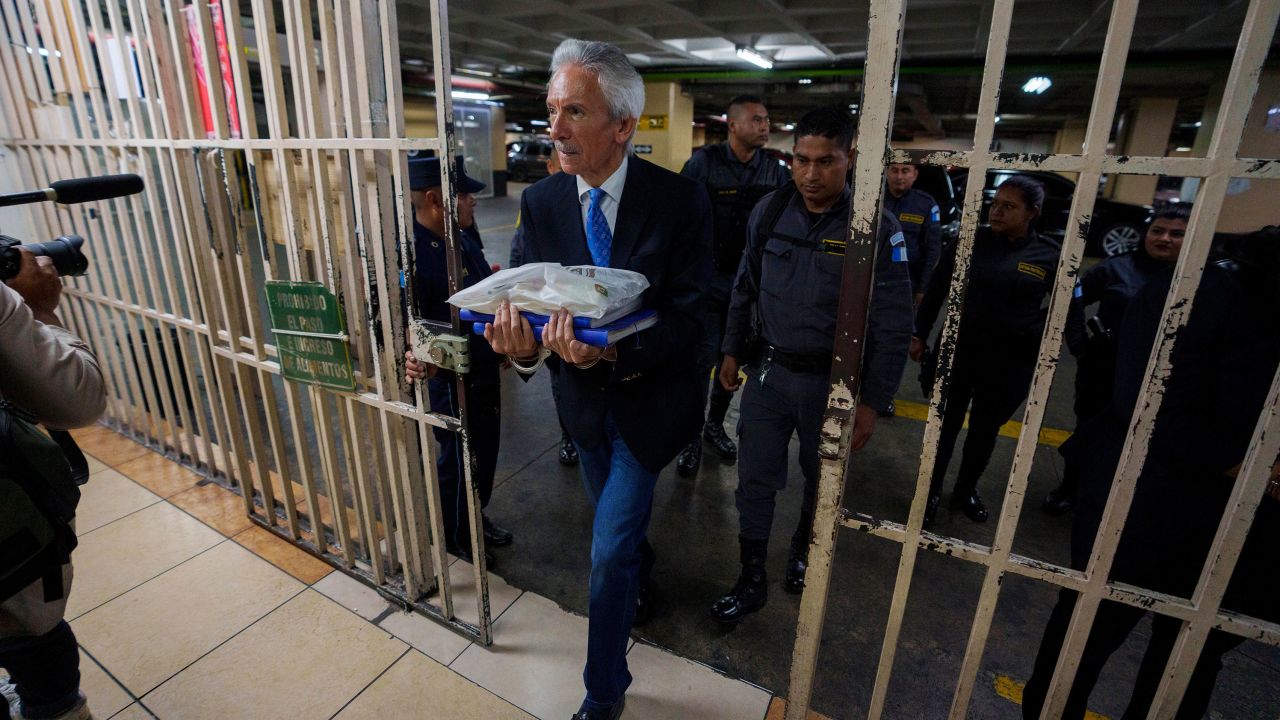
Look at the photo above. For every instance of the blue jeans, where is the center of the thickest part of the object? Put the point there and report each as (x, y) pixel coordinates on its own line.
(621, 491)
(46, 671)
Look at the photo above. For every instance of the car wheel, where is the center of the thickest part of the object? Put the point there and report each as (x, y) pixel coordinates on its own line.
(1120, 238)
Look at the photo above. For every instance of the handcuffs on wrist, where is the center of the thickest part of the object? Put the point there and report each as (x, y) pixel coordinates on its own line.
(543, 354)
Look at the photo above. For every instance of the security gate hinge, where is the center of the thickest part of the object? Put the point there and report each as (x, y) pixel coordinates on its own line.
(445, 351)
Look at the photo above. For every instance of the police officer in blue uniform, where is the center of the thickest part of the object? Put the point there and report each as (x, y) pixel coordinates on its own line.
(919, 216)
(737, 174)
(1005, 307)
(1110, 284)
(484, 402)
(789, 277)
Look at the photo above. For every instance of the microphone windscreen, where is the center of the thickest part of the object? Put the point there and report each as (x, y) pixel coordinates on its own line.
(103, 187)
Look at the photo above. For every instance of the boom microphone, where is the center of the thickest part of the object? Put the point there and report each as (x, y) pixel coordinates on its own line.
(79, 190)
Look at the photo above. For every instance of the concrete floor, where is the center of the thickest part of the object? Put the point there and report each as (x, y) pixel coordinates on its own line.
(694, 530)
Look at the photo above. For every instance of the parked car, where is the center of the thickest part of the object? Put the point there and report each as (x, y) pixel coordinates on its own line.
(1116, 227)
(527, 159)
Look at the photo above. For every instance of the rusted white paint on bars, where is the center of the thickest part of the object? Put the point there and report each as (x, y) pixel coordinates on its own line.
(1202, 613)
(1259, 27)
(1115, 50)
(874, 127)
(180, 267)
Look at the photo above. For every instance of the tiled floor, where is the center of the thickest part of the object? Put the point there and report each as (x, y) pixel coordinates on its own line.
(184, 609)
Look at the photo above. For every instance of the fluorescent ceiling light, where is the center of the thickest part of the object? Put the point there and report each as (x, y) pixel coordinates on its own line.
(788, 127)
(539, 123)
(754, 57)
(997, 118)
(805, 81)
(470, 95)
(416, 62)
(1198, 123)
(1037, 85)
(1182, 148)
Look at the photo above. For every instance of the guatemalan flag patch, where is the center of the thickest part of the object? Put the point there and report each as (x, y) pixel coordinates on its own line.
(899, 244)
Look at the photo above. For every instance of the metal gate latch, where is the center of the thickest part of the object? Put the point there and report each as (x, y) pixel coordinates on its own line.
(445, 351)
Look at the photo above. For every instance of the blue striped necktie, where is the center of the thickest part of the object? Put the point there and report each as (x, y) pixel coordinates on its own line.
(599, 239)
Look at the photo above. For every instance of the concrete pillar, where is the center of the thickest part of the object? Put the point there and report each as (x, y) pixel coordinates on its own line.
(665, 134)
(1070, 141)
(1149, 124)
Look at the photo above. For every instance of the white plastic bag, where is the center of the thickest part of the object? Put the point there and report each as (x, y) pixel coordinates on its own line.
(542, 288)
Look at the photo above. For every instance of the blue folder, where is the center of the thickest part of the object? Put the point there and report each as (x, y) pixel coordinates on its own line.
(602, 336)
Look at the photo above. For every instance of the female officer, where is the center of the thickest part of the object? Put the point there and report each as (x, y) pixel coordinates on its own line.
(1111, 284)
(1005, 306)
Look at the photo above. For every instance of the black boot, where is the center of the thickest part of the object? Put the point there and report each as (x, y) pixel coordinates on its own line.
(751, 591)
(971, 505)
(568, 451)
(689, 459)
(797, 565)
(713, 432)
(931, 509)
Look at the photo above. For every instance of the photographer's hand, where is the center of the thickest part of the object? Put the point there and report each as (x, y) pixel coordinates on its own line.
(38, 284)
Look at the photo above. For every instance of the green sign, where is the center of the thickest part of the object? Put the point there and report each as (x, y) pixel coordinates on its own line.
(311, 334)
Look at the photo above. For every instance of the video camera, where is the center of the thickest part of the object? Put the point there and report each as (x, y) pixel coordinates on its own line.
(65, 250)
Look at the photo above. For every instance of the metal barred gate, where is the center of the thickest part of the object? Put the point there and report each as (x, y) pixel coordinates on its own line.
(1201, 612)
(305, 183)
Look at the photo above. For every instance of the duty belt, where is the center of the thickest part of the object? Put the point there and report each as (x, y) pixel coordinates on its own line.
(812, 363)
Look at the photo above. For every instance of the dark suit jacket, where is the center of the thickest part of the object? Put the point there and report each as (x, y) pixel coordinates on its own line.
(663, 230)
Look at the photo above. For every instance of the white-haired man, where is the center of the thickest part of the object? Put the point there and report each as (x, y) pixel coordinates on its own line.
(630, 407)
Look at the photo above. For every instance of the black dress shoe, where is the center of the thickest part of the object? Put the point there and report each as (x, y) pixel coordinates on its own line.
(1056, 502)
(971, 505)
(496, 536)
(714, 434)
(613, 712)
(931, 509)
(689, 459)
(648, 601)
(568, 451)
(797, 565)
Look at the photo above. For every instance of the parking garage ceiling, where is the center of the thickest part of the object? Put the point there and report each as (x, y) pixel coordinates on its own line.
(1179, 49)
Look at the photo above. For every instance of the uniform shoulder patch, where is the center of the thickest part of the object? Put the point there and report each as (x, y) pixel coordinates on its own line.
(912, 218)
(899, 244)
(1034, 271)
(517, 219)
(935, 214)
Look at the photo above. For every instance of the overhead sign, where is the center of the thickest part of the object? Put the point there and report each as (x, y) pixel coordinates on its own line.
(311, 334)
(653, 122)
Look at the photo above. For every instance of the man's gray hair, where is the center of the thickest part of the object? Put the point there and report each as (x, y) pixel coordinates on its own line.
(622, 86)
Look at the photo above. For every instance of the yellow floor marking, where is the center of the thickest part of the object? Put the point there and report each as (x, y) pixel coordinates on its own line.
(1011, 690)
(1052, 437)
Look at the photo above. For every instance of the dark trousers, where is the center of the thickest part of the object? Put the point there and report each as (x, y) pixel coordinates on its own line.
(45, 669)
(783, 403)
(990, 387)
(1095, 378)
(1111, 628)
(484, 416)
(555, 394)
(621, 491)
(710, 357)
